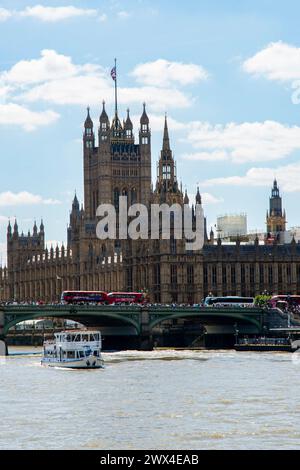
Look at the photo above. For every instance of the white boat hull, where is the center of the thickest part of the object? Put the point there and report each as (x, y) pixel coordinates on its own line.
(90, 362)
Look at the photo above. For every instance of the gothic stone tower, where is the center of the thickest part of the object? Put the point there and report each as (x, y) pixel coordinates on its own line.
(118, 166)
(20, 248)
(276, 217)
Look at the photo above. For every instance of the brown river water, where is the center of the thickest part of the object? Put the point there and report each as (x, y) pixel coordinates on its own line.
(152, 400)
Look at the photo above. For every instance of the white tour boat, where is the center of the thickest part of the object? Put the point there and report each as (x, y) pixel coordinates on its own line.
(74, 349)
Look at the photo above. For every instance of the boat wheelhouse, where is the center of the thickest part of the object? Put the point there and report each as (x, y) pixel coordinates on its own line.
(74, 349)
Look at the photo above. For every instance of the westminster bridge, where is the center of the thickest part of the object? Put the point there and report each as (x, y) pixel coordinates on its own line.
(141, 322)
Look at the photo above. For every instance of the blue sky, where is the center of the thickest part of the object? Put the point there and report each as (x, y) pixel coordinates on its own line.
(227, 74)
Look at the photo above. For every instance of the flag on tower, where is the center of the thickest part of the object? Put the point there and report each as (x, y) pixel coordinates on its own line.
(114, 73)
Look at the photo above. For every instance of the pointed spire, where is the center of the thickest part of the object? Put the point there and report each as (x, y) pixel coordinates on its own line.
(186, 198)
(128, 124)
(35, 228)
(88, 122)
(42, 228)
(75, 204)
(198, 197)
(103, 115)
(144, 117)
(9, 230)
(166, 139)
(15, 227)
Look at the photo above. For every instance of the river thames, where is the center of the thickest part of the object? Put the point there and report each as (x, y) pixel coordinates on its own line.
(154, 400)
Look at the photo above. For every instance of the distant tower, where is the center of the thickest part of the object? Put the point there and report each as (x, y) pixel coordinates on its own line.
(276, 217)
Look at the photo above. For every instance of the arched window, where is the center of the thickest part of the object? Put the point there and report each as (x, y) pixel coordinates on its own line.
(116, 198)
(133, 196)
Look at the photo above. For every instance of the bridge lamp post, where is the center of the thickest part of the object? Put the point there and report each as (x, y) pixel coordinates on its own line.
(236, 334)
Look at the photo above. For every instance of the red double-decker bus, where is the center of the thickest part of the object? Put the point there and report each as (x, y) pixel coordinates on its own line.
(127, 298)
(84, 297)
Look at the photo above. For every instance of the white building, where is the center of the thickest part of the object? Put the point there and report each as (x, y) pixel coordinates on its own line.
(229, 226)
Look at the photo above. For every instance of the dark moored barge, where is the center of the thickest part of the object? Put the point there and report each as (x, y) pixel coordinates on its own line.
(264, 345)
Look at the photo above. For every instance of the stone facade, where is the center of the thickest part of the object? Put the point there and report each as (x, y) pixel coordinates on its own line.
(163, 268)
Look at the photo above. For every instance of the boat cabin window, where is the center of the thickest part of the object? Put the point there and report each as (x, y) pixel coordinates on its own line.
(71, 354)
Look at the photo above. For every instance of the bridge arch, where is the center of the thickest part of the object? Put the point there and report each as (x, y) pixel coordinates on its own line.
(206, 317)
(84, 317)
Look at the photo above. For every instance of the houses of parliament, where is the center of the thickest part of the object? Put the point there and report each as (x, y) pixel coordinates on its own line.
(115, 164)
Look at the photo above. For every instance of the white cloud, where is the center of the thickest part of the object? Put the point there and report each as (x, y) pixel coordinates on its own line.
(216, 156)
(50, 66)
(289, 177)
(54, 78)
(14, 114)
(163, 73)
(9, 198)
(208, 198)
(157, 123)
(54, 14)
(124, 14)
(278, 61)
(243, 143)
(4, 14)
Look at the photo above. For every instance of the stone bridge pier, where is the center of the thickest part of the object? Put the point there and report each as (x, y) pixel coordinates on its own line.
(3, 345)
(146, 342)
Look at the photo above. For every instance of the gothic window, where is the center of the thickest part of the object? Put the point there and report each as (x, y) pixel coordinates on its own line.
(144, 127)
(157, 275)
(224, 275)
(144, 140)
(233, 275)
(133, 196)
(104, 137)
(89, 144)
(243, 275)
(280, 274)
(173, 274)
(88, 132)
(173, 246)
(298, 273)
(190, 274)
(205, 275)
(116, 198)
(214, 276)
(103, 126)
(166, 172)
(128, 133)
(261, 273)
(288, 274)
(252, 274)
(270, 275)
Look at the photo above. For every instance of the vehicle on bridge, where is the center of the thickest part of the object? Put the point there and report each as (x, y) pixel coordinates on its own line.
(127, 298)
(74, 350)
(84, 297)
(284, 301)
(229, 302)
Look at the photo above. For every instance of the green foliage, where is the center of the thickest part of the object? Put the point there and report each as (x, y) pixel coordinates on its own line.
(262, 300)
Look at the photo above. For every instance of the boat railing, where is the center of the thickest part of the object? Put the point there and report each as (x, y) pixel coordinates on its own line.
(66, 345)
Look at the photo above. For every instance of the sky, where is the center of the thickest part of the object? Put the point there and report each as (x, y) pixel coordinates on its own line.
(226, 73)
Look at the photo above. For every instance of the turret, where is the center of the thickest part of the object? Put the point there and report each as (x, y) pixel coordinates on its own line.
(16, 229)
(88, 136)
(9, 230)
(186, 198)
(198, 197)
(145, 134)
(128, 127)
(104, 127)
(35, 232)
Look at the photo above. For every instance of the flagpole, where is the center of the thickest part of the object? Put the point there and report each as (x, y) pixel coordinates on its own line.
(116, 93)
